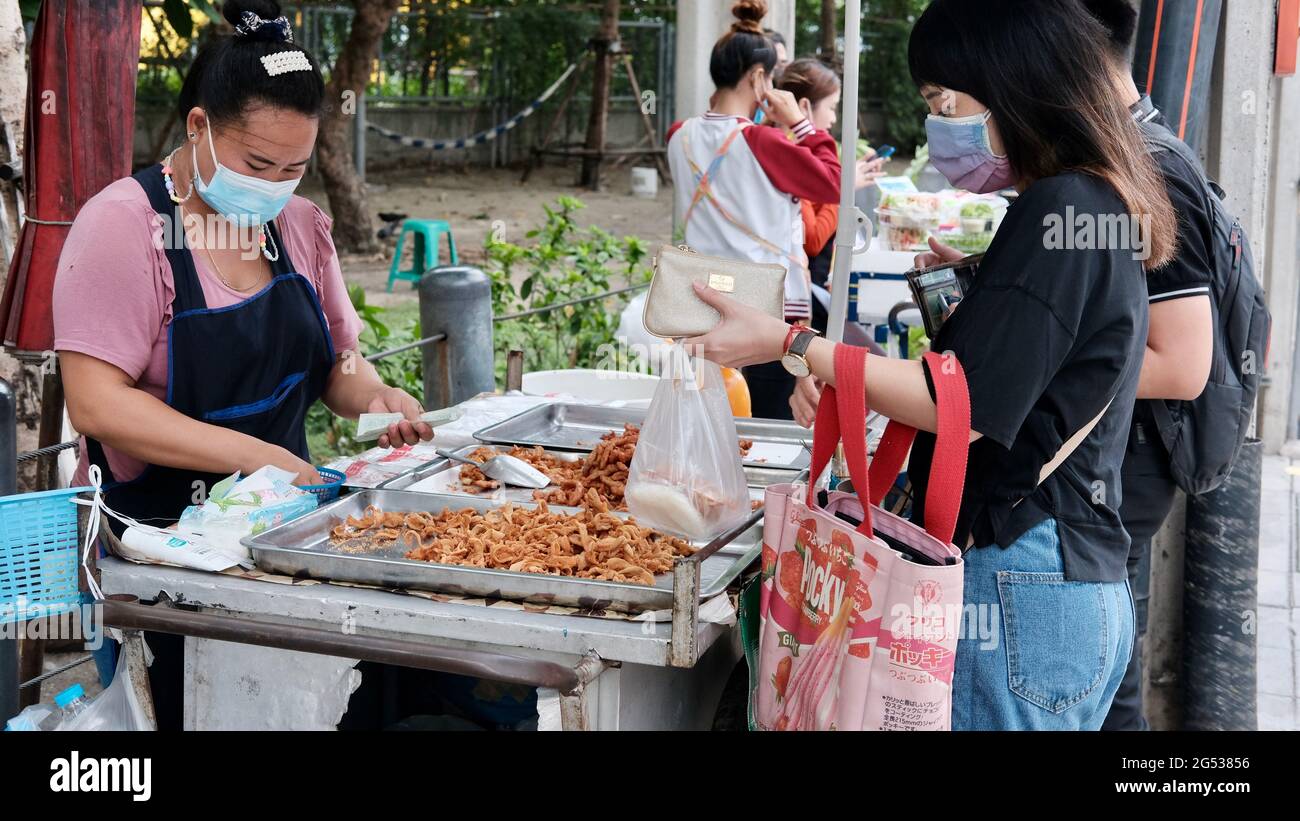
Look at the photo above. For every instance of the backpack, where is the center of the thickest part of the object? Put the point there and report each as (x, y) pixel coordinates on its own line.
(1204, 435)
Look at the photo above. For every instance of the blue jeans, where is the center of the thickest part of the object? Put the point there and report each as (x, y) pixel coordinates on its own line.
(1051, 653)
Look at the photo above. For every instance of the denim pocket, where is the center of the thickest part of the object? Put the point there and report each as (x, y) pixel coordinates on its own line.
(1056, 637)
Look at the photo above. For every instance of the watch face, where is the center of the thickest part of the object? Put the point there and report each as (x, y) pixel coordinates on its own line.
(796, 365)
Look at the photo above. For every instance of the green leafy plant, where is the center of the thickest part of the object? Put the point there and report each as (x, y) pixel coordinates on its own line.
(382, 329)
(561, 262)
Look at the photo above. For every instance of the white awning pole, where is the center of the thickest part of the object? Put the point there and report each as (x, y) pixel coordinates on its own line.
(846, 235)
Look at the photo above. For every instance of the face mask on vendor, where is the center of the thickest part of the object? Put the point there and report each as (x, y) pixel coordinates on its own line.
(242, 199)
(961, 150)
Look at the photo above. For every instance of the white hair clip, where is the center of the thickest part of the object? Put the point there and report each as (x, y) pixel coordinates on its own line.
(283, 62)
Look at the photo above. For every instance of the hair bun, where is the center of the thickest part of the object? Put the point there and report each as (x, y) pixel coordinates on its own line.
(257, 20)
(749, 15)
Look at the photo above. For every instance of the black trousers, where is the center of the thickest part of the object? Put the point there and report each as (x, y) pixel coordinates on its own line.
(1148, 489)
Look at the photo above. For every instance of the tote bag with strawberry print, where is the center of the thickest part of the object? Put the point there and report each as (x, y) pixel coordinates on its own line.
(859, 622)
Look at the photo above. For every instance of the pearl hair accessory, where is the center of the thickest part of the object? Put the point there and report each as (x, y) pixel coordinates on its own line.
(283, 62)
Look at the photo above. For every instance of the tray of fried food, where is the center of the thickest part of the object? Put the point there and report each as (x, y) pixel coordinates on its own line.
(572, 475)
(587, 557)
(771, 444)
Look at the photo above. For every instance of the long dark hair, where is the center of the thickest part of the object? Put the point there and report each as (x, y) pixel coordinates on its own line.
(744, 47)
(227, 76)
(1039, 67)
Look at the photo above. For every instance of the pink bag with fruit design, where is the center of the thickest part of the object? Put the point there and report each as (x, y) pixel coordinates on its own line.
(860, 623)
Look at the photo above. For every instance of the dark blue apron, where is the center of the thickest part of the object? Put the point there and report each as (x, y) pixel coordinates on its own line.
(255, 367)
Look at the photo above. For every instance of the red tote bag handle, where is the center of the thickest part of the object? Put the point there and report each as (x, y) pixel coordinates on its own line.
(842, 414)
(952, 447)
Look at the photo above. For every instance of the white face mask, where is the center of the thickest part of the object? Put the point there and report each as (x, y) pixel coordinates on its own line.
(242, 199)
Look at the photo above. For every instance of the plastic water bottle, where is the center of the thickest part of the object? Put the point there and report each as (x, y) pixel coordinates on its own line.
(70, 702)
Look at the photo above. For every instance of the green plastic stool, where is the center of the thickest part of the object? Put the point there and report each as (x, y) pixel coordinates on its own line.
(424, 254)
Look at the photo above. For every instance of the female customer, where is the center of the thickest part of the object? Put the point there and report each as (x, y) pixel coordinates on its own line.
(1050, 336)
(816, 87)
(739, 187)
(190, 354)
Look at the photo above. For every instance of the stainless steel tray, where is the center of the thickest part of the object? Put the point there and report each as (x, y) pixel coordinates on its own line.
(302, 548)
(560, 426)
(757, 477)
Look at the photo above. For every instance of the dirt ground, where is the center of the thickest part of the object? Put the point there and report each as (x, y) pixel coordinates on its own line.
(475, 202)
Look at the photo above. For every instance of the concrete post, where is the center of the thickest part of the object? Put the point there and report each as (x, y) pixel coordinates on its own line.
(699, 25)
(1162, 650)
(456, 300)
(1240, 153)
(1281, 400)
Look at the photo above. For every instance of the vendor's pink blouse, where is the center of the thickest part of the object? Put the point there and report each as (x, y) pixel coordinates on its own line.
(113, 290)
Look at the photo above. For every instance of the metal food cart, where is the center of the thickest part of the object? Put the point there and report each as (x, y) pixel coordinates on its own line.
(277, 648)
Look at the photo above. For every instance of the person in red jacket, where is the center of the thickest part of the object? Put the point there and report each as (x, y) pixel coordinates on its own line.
(816, 86)
(738, 188)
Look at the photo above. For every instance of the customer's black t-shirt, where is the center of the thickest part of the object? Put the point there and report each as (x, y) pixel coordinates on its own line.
(1188, 275)
(1052, 330)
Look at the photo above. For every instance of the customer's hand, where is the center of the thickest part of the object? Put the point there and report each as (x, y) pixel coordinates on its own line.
(938, 255)
(867, 171)
(408, 431)
(807, 395)
(782, 107)
(745, 336)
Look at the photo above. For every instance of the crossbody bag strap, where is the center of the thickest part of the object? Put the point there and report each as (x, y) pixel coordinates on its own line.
(704, 191)
(1071, 445)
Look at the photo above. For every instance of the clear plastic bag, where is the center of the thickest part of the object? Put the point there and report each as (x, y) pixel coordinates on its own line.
(116, 708)
(686, 476)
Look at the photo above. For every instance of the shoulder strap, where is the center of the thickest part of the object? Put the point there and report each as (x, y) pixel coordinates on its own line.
(185, 279)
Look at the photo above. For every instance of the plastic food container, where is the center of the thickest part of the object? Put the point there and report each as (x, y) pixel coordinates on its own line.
(904, 230)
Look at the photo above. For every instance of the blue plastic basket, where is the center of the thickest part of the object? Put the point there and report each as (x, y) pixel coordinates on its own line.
(38, 554)
(329, 491)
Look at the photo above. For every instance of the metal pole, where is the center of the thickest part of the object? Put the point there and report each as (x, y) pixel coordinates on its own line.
(122, 612)
(1220, 599)
(456, 300)
(847, 234)
(8, 486)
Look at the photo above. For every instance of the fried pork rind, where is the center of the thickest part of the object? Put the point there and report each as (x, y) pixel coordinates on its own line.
(592, 544)
(603, 471)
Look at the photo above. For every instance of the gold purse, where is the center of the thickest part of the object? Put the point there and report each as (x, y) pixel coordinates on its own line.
(673, 311)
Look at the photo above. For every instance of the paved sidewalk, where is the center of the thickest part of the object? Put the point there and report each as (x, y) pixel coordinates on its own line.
(1279, 595)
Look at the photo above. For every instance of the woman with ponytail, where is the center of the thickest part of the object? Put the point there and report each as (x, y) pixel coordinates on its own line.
(738, 188)
(199, 308)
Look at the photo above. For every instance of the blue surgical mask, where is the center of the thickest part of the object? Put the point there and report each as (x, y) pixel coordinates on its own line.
(961, 150)
(242, 199)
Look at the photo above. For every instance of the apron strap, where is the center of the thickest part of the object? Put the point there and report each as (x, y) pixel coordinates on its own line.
(185, 279)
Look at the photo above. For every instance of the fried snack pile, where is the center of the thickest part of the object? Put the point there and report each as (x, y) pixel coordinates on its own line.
(604, 470)
(593, 544)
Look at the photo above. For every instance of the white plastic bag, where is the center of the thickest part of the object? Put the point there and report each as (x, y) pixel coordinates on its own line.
(116, 708)
(686, 476)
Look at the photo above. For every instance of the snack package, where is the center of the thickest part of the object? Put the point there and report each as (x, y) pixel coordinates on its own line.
(238, 507)
(686, 476)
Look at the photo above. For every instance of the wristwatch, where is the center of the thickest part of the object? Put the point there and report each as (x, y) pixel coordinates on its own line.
(797, 341)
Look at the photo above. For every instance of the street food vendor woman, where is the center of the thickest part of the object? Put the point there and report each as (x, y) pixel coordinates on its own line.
(189, 355)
